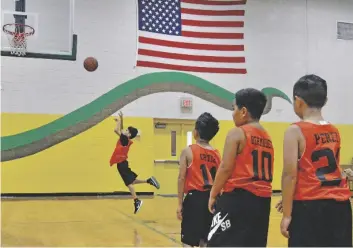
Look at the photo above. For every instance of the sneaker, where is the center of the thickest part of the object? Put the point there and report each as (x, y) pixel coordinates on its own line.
(153, 181)
(137, 204)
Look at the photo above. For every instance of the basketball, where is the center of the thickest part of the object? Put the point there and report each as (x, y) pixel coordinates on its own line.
(90, 64)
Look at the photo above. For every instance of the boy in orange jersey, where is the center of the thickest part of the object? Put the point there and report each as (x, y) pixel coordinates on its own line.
(198, 166)
(119, 157)
(245, 175)
(316, 206)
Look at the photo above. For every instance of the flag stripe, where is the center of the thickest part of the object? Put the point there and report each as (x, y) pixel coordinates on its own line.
(191, 45)
(211, 7)
(190, 68)
(234, 24)
(213, 35)
(213, 12)
(207, 2)
(205, 64)
(192, 51)
(213, 29)
(191, 39)
(211, 18)
(191, 57)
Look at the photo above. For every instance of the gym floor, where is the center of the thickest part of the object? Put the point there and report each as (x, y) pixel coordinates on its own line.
(100, 222)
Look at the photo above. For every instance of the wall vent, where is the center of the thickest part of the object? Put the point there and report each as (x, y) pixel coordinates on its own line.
(344, 31)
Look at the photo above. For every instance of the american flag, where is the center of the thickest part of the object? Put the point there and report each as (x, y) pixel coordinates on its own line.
(192, 35)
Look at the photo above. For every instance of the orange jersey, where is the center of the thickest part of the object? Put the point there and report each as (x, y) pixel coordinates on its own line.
(319, 173)
(120, 153)
(202, 170)
(253, 168)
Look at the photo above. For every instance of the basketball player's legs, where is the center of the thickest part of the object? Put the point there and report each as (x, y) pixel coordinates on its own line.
(203, 243)
(340, 224)
(195, 222)
(129, 178)
(152, 181)
(319, 223)
(241, 220)
(138, 181)
(132, 191)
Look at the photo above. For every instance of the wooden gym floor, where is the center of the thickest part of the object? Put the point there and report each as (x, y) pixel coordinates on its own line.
(99, 222)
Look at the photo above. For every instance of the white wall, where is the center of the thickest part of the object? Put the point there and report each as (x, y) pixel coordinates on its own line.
(283, 40)
(332, 58)
(51, 21)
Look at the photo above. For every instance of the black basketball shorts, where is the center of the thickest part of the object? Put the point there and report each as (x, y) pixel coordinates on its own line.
(126, 173)
(241, 219)
(196, 218)
(321, 223)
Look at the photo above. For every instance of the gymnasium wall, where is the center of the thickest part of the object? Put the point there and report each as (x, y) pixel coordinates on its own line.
(283, 41)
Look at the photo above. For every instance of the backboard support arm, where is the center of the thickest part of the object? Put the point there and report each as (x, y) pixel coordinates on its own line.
(20, 6)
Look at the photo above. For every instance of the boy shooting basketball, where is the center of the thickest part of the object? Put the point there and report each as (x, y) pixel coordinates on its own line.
(316, 207)
(245, 176)
(198, 165)
(120, 156)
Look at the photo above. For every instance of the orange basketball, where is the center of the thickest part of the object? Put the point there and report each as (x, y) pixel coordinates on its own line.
(90, 64)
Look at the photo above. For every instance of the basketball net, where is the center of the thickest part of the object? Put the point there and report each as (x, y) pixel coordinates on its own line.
(17, 36)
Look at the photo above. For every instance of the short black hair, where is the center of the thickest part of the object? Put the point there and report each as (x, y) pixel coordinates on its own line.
(312, 89)
(253, 100)
(133, 132)
(207, 126)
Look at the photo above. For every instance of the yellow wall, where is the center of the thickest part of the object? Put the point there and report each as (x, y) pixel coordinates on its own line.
(81, 164)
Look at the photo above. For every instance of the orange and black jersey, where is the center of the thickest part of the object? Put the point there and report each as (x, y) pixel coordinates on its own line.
(202, 169)
(253, 168)
(121, 150)
(319, 173)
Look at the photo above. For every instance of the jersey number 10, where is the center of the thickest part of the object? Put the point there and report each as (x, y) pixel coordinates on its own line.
(256, 163)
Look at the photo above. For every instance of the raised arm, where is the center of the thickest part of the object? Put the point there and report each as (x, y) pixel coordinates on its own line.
(119, 124)
(121, 120)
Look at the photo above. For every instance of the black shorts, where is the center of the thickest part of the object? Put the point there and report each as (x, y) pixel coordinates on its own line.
(241, 219)
(126, 173)
(196, 218)
(321, 223)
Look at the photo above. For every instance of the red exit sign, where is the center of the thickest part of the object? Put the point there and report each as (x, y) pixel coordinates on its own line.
(186, 102)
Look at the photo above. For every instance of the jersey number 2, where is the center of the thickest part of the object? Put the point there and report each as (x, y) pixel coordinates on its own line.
(330, 168)
(206, 180)
(255, 159)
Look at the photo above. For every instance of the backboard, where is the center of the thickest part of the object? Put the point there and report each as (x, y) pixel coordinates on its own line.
(52, 21)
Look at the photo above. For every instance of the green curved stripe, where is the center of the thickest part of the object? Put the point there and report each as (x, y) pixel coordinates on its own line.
(271, 93)
(83, 118)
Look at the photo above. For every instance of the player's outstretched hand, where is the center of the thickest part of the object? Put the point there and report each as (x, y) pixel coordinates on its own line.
(179, 212)
(211, 203)
(279, 206)
(120, 114)
(284, 225)
(349, 174)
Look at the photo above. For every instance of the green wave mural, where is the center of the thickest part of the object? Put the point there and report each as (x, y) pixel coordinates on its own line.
(33, 141)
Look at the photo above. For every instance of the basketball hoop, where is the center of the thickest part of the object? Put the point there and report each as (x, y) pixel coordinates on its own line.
(17, 36)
